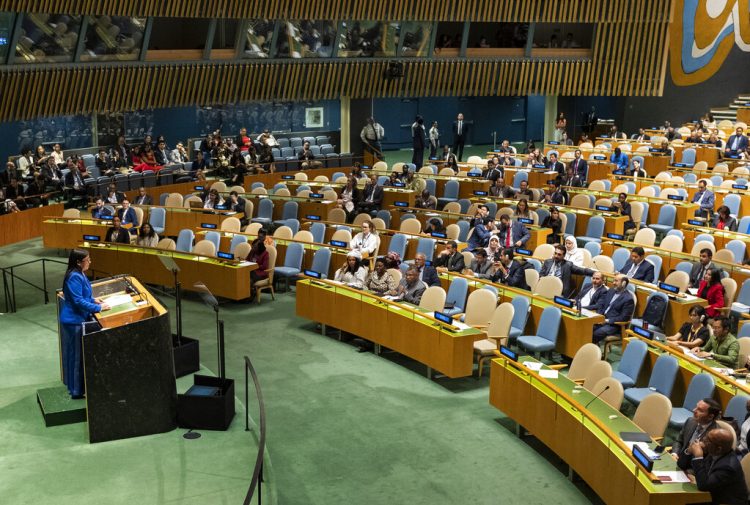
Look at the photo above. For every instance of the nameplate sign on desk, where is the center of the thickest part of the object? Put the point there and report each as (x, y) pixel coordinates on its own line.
(679, 198)
(550, 181)
(603, 207)
(91, 238)
(615, 236)
(199, 188)
(221, 207)
(107, 218)
(225, 255)
(444, 318)
(604, 136)
(365, 167)
(525, 220)
(538, 165)
(209, 226)
(338, 243)
(642, 458)
(695, 222)
(438, 235)
(564, 302)
(669, 287)
(287, 177)
(315, 195)
(739, 186)
(653, 150)
(399, 203)
(620, 171)
(399, 185)
(682, 165)
(643, 332)
(525, 252)
(473, 174)
(553, 143)
(313, 274)
(480, 193)
(513, 356)
(598, 157)
(313, 217)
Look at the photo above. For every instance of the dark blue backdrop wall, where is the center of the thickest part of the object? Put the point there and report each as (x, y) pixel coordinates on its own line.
(514, 118)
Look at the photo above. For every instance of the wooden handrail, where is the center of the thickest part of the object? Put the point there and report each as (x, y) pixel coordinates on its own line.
(595, 420)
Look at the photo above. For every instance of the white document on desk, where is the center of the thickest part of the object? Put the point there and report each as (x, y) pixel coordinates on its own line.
(533, 365)
(115, 300)
(588, 313)
(693, 291)
(678, 477)
(549, 374)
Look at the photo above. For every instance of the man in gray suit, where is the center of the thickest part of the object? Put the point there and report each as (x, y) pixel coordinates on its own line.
(699, 269)
(705, 414)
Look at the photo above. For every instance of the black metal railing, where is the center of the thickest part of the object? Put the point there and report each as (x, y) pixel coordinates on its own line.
(257, 479)
(10, 277)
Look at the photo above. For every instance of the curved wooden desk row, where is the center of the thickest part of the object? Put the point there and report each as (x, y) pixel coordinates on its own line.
(227, 279)
(726, 386)
(27, 224)
(397, 326)
(583, 432)
(670, 259)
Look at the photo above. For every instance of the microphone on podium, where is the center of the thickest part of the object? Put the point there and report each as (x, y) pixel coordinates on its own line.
(597, 396)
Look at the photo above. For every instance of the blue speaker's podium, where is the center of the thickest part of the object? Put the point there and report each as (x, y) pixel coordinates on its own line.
(128, 364)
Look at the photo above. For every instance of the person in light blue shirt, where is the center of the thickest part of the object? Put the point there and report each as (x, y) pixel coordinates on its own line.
(78, 306)
(620, 160)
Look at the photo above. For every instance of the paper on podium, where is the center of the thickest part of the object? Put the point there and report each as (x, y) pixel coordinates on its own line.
(116, 300)
(549, 374)
(678, 477)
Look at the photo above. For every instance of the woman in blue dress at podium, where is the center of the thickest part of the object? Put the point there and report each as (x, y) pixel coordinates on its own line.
(78, 306)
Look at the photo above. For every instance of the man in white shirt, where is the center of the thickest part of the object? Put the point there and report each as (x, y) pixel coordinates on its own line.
(372, 133)
(589, 296)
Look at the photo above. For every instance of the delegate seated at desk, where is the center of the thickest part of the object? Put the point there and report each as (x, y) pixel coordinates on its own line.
(698, 272)
(352, 273)
(580, 166)
(427, 273)
(127, 216)
(558, 266)
(722, 346)
(481, 266)
(484, 230)
(712, 290)
(693, 333)
(589, 297)
(623, 207)
(213, 200)
(555, 195)
(737, 143)
(524, 192)
(637, 267)
(705, 199)
(512, 233)
(366, 241)
(410, 289)
(719, 472)
(380, 281)
(100, 211)
(500, 190)
(509, 271)
(236, 203)
(425, 200)
(620, 160)
(117, 234)
(450, 259)
(723, 220)
(372, 196)
(705, 414)
(617, 306)
(554, 223)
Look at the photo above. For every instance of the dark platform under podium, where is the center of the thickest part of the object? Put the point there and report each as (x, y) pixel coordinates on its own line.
(59, 408)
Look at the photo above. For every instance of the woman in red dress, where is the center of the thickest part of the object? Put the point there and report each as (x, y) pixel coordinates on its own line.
(712, 290)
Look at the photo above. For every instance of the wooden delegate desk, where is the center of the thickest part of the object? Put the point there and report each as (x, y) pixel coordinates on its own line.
(537, 178)
(613, 221)
(27, 224)
(653, 163)
(67, 233)
(227, 279)
(393, 195)
(575, 330)
(727, 386)
(424, 215)
(743, 114)
(721, 237)
(710, 154)
(684, 210)
(181, 218)
(585, 433)
(400, 327)
(305, 206)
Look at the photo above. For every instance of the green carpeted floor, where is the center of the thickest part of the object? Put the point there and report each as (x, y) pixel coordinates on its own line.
(344, 427)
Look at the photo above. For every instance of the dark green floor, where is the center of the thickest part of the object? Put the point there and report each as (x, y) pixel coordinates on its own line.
(344, 427)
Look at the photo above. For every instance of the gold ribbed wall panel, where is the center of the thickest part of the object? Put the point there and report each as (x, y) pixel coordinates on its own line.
(562, 11)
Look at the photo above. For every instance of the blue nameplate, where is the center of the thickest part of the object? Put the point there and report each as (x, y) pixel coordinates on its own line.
(643, 332)
(615, 236)
(338, 243)
(91, 238)
(313, 273)
(603, 208)
(315, 195)
(399, 203)
(225, 255)
(525, 252)
(438, 235)
(695, 222)
(313, 217)
(508, 353)
(669, 287)
(564, 302)
(525, 220)
(739, 186)
(287, 177)
(209, 226)
(599, 157)
(480, 193)
(676, 197)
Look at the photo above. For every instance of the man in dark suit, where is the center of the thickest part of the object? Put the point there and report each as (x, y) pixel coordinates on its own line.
(737, 143)
(553, 164)
(580, 166)
(427, 273)
(719, 472)
(372, 196)
(450, 259)
(418, 141)
(449, 159)
(509, 271)
(111, 195)
(143, 198)
(705, 414)
(556, 195)
(161, 154)
(589, 296)
(641, 136)
(558, 266)
(699, 269)
(460, 130)
(616, 306)
(623, 207)
(127, 215)
(512, 233)
(236, 203)
(524, 192)
(571, 179)
(637, 267)
(500, 190)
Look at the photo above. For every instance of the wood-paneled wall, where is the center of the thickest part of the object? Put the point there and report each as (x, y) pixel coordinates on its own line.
(552, 11)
